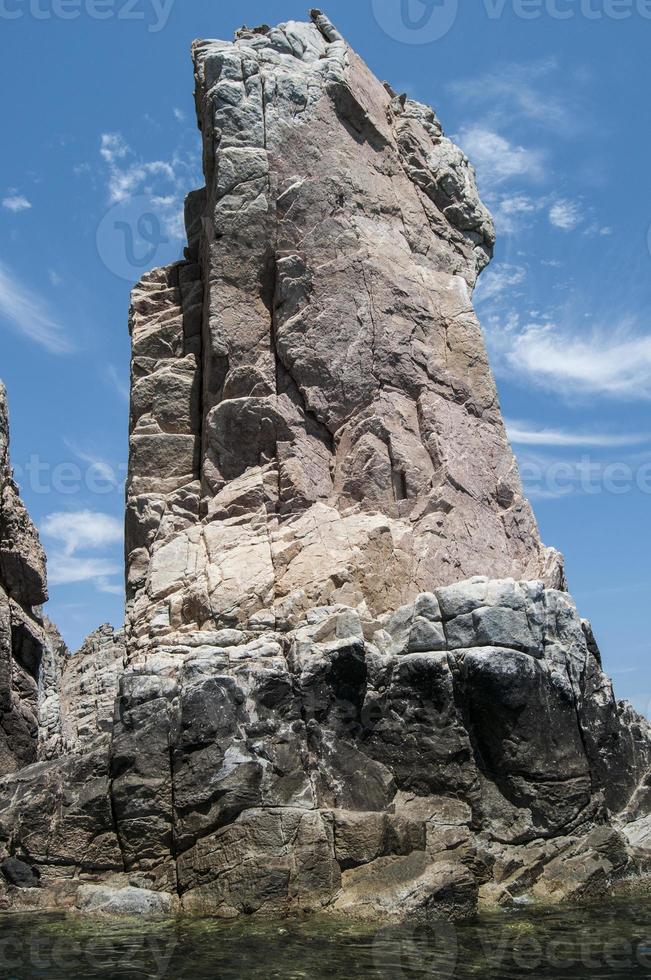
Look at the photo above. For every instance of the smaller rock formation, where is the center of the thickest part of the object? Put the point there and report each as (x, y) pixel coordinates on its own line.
(89, 682)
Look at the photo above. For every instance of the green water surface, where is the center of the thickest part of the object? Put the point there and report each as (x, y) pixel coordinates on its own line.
(610, 940)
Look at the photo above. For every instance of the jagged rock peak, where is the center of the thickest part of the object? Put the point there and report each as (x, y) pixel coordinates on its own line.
(316, 362)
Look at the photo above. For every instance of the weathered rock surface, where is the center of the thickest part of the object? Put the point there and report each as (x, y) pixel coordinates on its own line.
(30, 646)
(351, 678)
(88, 688)
(314, 420)
(125, 900)
(408, 764)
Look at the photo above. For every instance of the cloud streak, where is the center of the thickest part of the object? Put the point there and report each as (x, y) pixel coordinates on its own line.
(496, 158)
(72, 569)
(83, 531)
(616, 363)
(528, 434)
(163, 182)
(518, 91)
(498, 279)
(30, 315)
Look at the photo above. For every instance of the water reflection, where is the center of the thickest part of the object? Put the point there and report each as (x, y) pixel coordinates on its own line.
(598, 941)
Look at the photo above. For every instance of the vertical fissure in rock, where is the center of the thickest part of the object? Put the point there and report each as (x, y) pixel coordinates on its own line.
(399, 484)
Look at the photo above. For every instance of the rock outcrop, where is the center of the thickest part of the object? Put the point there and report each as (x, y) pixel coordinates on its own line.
(88, 688)
(29, 644)
(352, 678)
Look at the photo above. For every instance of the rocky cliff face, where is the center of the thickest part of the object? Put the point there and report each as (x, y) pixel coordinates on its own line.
(29, 645)
(351, 677)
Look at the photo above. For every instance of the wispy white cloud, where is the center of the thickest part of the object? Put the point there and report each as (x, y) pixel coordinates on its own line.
(571, 361)
(566, 215)
(595, 229)
(54, 277)
(104, 584)
(163, 182)
(498, 279)
(83, 531)
(124, 183)
(179, 115)
(528, 434)
(118, 382)
(16, 203)
(69, 569)
(496, 158)
(520, 92)
(28, 313)
(101, 469)
(113, 147)
(512, 211)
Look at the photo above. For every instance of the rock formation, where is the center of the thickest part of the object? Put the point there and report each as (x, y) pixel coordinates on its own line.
(29, 645)
(87, 689)
(352, 678)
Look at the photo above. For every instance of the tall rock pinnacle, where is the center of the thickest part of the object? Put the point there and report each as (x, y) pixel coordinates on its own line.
(352, 678)
(314, 373)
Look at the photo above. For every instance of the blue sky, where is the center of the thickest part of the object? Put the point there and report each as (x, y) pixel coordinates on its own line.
(550, 100)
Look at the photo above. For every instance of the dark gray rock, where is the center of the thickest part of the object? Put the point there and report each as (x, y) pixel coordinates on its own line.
(19, 873)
